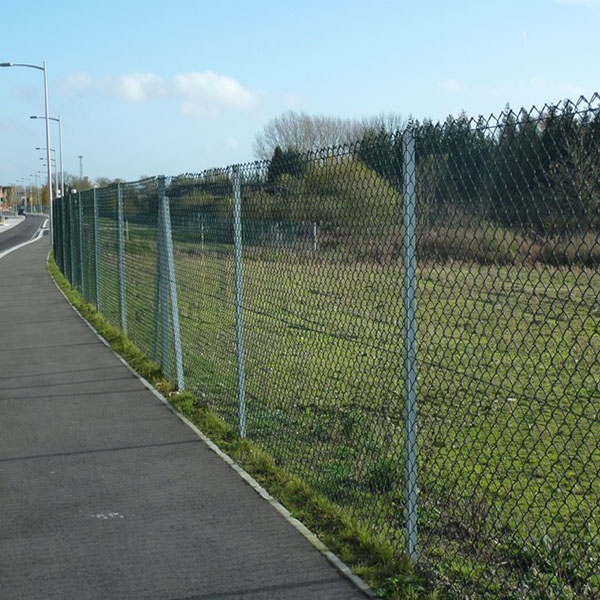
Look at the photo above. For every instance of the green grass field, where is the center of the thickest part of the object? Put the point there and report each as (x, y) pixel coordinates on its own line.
(508, 399)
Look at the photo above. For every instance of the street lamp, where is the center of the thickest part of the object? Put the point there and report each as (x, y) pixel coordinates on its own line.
(44, 69)
(62, 170)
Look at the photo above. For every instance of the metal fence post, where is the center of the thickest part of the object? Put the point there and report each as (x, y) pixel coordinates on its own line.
(410, 339)
(171, 281)
(97, 251)
(164, 288)
(81, 254)
(158, 277)
(121, 260)
(157, 286)
(239, 322)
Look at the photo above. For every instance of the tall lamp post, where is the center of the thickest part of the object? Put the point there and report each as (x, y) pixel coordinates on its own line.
(62, 169)
(44, 69)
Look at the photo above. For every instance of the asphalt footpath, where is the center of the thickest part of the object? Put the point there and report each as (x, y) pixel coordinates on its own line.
(104, 493)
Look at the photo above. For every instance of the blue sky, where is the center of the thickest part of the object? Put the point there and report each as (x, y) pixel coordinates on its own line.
(146, 87)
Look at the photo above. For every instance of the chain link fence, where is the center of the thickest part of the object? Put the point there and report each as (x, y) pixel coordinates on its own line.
(411, 324)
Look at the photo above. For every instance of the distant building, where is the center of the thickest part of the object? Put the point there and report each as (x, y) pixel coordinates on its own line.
(5, 194)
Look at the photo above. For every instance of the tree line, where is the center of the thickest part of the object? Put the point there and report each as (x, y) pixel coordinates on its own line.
(530, 170)
(521, 186)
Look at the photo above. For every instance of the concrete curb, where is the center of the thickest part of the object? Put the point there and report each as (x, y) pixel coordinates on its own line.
(284, 512)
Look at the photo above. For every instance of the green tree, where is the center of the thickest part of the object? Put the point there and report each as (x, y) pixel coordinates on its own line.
(288, 161)
(381, 151)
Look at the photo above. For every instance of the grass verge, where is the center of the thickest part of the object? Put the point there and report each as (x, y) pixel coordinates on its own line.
(369, 555)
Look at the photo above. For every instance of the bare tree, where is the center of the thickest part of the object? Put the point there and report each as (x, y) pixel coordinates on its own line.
(388, 122)
(302, 132)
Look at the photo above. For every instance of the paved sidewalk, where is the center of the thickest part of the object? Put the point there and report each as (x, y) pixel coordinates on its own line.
(104, 493)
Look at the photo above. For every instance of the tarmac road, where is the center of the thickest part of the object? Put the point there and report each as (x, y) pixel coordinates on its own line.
(23, 232)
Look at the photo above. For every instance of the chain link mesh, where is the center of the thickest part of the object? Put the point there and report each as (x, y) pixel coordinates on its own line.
(506, 370)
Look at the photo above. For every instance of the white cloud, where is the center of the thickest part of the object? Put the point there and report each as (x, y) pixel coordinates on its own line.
(209, 87)
(451, 85)
(138, 87)
(200, 94)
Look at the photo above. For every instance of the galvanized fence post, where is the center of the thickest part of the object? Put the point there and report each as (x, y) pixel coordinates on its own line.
(239, 302)
(97, 252)
(158, 277)
(157, 287)
(81, 254)
(166, 289)
(163, 286)
(172, 282)
(121, 260)
(410, 340)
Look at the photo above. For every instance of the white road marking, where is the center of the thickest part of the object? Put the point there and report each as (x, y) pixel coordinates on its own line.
(108, 515)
